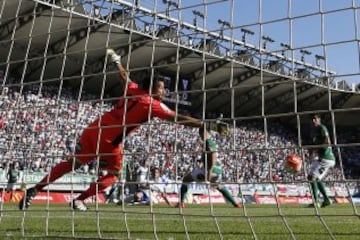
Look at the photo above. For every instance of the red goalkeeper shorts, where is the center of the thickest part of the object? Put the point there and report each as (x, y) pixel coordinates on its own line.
(110, 156)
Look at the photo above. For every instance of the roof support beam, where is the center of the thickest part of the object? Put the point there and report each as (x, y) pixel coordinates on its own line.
(310, 100)
(183, 53)
(24, 18)
(284, 99)
(211, 67)
(340, 101)
(217, 100)
(246, 103)
(57, 47)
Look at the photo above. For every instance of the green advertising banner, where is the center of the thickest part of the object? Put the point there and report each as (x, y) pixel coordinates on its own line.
(77, 182)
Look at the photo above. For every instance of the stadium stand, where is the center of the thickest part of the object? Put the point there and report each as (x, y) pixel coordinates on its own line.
(38, 129)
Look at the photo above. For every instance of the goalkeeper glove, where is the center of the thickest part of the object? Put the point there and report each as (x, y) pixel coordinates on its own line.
(114, 58)
(219, 127)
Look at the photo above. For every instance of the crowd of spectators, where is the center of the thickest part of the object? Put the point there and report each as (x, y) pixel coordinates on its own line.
(38, 129)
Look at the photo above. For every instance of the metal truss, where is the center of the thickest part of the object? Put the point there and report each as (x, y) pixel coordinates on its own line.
(217, 102)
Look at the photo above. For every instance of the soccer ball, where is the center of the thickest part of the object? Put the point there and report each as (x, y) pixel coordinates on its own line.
(293, 163)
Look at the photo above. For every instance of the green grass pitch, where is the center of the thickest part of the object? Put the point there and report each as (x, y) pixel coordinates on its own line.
(107, 221)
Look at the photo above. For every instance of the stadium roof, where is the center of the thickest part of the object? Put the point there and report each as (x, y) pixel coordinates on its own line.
(67, 43)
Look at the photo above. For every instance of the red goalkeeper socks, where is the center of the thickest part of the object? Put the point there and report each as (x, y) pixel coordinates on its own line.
(55, 173)
(99, 186)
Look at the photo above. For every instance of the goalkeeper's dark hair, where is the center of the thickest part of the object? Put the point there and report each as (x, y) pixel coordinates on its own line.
(147, 82)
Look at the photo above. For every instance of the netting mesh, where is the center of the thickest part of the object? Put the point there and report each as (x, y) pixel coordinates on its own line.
(263, 69)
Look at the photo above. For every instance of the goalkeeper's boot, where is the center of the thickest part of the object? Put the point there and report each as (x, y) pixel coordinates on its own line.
(78, 205)
(25, 202)
(326, 203)
(180, 205)
(114, 58)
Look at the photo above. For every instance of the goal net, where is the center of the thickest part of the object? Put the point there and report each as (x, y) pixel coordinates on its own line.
(264, 68)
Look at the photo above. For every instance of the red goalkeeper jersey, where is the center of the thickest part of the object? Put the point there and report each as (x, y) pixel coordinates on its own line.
(138, 107)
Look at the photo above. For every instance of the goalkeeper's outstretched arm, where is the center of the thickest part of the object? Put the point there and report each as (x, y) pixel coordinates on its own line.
(116, 59)
(186, 120)
(217, 126)
(123, 74)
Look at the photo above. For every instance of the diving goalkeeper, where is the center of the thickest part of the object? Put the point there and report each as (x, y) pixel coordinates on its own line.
(103, 139)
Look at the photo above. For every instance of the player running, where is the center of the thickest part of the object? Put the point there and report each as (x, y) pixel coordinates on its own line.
(209, 170)
(102, 139)
(323, 162)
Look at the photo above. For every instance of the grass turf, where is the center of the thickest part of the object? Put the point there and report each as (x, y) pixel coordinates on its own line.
(57, 221)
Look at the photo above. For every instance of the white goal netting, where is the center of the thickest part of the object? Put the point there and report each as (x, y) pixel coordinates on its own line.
(264, 67)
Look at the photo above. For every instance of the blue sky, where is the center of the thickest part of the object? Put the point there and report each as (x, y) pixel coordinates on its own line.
(327, 27)
(332, 34)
